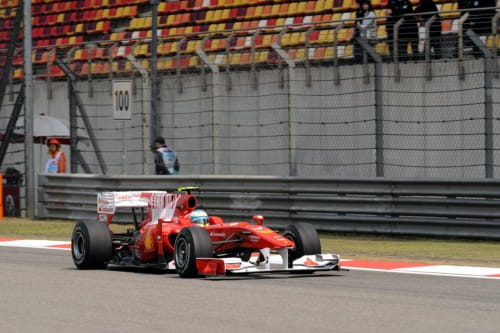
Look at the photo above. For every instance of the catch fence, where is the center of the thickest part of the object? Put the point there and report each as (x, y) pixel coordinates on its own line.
(284, 100)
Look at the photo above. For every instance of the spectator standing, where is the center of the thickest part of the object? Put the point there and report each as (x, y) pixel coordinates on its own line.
(428, 6)
(57, 159)
(366, 26)
(479, 19)
(166, 161)
(408, 31)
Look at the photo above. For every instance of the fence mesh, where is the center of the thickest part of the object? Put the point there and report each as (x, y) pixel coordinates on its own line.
(278, 101)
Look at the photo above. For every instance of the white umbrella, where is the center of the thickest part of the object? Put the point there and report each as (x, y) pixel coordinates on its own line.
(47, 127)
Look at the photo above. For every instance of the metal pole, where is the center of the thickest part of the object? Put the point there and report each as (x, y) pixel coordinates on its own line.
(461, 69)
(336, 70)
(379, 114)
(292, 130)
(72, 130)
(488, 103)
(494, 29)
(428, 63)
(307, 62)
(28, 114)
(395, 49)
(11, 124)
(10, 54)
(155, 95)
(124, 146)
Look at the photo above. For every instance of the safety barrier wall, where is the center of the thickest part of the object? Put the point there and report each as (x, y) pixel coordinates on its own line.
(409, 206)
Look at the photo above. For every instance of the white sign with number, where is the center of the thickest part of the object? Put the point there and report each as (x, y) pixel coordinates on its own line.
(122, 99)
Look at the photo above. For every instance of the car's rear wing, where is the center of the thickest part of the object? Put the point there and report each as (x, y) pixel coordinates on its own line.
(161, 203)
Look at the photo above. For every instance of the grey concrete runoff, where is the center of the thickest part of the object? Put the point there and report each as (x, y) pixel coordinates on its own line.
(41, 291)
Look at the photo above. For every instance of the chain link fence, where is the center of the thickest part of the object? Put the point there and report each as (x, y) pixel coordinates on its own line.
(291, 100)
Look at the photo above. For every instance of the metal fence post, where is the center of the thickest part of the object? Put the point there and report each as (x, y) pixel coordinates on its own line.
(155, 94)
(427, 48)
(90, 48)
(494, 29)
(395, 49)
(336, 70)
(307, 62)
(144, 88)
(488, 103)
(178, 70)
(253, 68)
(292, 131)
(461, 69)
(229, 84)
(280, 62)
(379, 114)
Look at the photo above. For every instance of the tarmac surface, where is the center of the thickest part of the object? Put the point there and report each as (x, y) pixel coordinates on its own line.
(42, 291)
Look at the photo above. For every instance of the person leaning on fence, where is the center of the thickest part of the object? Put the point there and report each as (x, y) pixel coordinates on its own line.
(57, 159)
(479, 19)
(408, 31)
(428, 9)
(166, 161)
(366, 27)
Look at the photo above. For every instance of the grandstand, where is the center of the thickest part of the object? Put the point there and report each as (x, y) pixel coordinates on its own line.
(97, 35)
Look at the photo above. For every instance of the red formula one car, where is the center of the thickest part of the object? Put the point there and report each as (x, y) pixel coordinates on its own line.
(175, 234)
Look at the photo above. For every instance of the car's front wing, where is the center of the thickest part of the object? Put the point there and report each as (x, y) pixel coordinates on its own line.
(268, 263)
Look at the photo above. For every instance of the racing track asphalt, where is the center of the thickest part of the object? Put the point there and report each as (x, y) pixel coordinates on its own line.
(41, 291)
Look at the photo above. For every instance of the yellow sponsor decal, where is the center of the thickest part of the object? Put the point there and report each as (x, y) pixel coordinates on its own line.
(266, 231)
(148, 241)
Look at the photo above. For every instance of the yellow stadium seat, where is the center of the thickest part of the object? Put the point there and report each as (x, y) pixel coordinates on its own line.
(490, 41)
(275, 10)
(193, 45)
(382, 49)
(342, 36)
(237, 25)
(381, 32)
(193, 61)
(262, 56)
(348, 51)
(329, 52)
(450, 6)
(226, 14)
(170, 19)
(295, 38)
(301, 54)
(258, 11)
(285, 39)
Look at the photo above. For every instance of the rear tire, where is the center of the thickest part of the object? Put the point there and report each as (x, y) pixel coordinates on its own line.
(191, 243)
(306, 240)
(91, 245)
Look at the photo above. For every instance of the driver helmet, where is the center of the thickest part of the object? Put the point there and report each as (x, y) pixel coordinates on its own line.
(199, 217)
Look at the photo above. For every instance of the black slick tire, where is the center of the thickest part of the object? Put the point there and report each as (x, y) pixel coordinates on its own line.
(191, 243)
(306, 240)
(91, 245)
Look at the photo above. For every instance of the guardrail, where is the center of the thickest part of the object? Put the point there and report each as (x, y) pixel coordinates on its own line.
(411, 206)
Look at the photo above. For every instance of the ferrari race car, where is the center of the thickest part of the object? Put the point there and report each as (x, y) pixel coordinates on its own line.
(174, 233)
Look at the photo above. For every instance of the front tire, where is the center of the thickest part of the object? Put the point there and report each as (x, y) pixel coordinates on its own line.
(306, 240)
(191, 243)
(91, 245)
